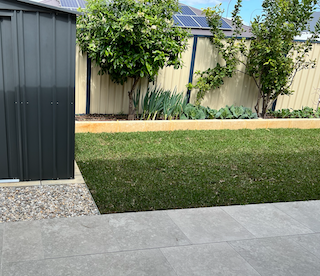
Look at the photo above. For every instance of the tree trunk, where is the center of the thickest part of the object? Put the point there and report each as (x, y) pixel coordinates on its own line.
(132, 109)
(257, 106)
(265, 104)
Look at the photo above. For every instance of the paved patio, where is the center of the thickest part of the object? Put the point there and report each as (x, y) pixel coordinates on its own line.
(265, 239)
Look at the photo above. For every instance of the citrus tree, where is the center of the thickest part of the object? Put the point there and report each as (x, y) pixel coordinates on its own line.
(272, 58)
(131, 39)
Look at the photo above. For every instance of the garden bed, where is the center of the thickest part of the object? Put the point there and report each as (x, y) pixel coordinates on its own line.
(171, 125)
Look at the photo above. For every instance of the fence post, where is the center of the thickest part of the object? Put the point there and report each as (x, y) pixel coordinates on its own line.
(193, 57)
(88, 85)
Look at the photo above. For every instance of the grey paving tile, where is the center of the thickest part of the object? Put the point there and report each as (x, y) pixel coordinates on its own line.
(145, 230)
(203, 225)
(306, 212)
(77, 236)
(22, 241)
(279, 256)
(73, 266)
(265, 220)
(1, 242)
(1, 239)
(207, 259)
(148, 263)
(311, 242)
(140, 263)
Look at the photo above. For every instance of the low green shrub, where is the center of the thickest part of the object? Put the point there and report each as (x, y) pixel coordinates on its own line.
(158, 103)
(306, 112)
(192, 112)
(233, 112)
(236, 112)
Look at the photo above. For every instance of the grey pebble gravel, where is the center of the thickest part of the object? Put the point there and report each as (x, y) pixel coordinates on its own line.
(45, 202)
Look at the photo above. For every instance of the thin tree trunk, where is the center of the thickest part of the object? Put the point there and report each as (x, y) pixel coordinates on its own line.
(266, 101)
(132, 109)
(257, 106)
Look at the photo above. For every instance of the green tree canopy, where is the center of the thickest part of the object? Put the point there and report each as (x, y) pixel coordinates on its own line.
(131, 39)
(273, 58)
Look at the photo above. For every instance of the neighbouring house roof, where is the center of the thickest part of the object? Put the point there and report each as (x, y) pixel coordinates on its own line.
(54, 3)
(316, 16)
(305, 35)
(206, 32)
(186, 19)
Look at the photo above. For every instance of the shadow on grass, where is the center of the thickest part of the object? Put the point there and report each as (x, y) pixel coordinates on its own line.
(185, 181)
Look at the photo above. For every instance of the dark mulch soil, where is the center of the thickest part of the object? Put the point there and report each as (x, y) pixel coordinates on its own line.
(101, 117)
(114, 117)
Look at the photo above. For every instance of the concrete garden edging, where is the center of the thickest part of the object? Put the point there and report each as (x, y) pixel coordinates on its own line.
(136, 126)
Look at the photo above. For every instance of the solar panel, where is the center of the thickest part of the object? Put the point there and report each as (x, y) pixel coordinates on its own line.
(202, 21)
(69, 3)
(187, 21)
(225, 25)
(82, 3)
(177, 22)
(185, 10)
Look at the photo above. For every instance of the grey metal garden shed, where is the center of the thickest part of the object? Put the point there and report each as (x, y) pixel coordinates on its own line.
(37, 76)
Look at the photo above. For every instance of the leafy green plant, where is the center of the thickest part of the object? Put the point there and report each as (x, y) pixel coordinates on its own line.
(249, 114)
(235, 112)
(152, 103)
(161, 104)
(211, 113)
(181, 108)
(131, 39)
(224, 113)
(172, 104)
(283, 113)
(306, 112)
(193, 112)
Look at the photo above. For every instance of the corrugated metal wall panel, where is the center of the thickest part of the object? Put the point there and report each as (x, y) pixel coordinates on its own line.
(81, 81)
(170, 79)
(38, 93)
(305, 86)
(107, 97)
(110, 98)
(239, 90)
(10, 167)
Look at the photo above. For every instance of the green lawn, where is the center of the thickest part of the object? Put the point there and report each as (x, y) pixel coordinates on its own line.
(183, 169)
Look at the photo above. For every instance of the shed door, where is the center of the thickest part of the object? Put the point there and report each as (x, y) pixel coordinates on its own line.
(36, 95)
(10, 156)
